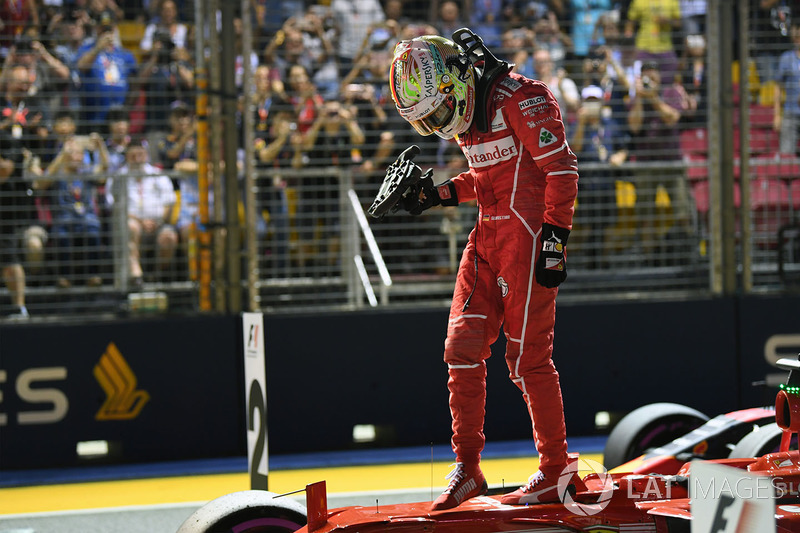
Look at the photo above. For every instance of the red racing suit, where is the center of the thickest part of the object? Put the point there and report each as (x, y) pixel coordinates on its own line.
(522, 173)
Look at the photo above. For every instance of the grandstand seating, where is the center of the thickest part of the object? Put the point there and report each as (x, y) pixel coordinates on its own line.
(775, 177)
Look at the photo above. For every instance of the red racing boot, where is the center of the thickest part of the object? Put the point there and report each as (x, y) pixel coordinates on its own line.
(542, 488)
(466, 481)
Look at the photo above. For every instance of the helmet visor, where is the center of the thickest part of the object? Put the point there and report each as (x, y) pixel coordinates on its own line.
(438, 118)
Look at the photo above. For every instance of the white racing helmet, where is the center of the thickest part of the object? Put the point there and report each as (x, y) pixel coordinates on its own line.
(433, 86)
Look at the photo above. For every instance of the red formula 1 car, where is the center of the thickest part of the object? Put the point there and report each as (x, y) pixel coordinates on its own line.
(660, 493)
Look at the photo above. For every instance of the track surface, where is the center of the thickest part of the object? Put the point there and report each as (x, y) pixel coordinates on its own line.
(160, 504)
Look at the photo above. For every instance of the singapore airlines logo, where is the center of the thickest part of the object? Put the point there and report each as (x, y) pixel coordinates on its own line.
(123, 401)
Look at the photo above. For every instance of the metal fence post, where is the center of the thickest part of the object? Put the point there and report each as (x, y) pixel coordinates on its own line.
(119, 233)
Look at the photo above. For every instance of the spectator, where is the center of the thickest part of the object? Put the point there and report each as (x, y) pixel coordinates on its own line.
(275, 128)
(693, 17)
(23, 116)
(72, 36)
(304, 41)
(603, 69)
(771, 23)
(276, 141)
(585, 14)
(76, 224)
(65, 128)
(518, 48)
(240, 59)
(654, 25)
(265, 92)
(787, 119)
(447, 14)
(178, 152)
(49, 76)
(334, 139)
(372, 118)
(548, 36)
(353, 20)
(166, 77)
(529, 12)
(118, 140)
(562, 86)
(167, 26)
(150, 203)
(319, 34)
(99, 11)
(288, 48)
(598, 140)
(304, 97)
(374, 60)
(486, 20)
(22, 236)
(693, 78)
(653, 120)
(106, 72)
(271, 15)
(16, 16)
(395, 10)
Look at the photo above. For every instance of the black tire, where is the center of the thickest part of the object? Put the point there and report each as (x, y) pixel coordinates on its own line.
(249, 511)
(762, 440)
(649, 427)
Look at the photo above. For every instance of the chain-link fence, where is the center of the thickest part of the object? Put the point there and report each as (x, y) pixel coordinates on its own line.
(114, 146)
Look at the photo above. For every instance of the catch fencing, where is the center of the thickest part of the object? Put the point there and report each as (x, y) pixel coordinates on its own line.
(725, 206)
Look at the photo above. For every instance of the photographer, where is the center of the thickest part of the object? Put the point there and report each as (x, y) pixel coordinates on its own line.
(334, 139)
(48, 76)
(166, 24)
(653, 122)
(106, 73)
(308, 42)
(166, 77)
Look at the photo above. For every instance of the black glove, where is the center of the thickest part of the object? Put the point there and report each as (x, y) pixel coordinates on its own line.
(424, 195)
(551, 267)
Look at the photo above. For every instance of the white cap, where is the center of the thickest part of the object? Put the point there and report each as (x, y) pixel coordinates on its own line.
(592, 91)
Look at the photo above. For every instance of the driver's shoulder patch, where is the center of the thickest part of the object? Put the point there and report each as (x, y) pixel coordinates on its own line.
(511, 83)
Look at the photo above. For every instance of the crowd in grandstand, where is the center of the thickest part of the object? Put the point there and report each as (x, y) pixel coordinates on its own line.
(81, 104)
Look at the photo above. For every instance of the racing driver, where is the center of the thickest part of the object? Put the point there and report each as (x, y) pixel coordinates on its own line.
(525, 179)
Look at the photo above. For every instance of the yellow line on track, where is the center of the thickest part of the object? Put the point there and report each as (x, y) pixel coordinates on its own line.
(509, 472)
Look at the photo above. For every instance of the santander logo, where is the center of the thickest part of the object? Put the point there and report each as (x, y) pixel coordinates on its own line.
(487, 154)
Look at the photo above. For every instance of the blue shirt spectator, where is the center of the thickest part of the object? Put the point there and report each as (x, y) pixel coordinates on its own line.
(585, 14)
(106, 73)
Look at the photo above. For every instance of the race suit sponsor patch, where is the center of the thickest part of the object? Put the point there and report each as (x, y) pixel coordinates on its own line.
(552, 263)
(487, 154)
(533, 123)
(503, 286)
(499, 123)
(535, 110)
(500, 94)
(530, 102)
(444, 192)
(546, 138)
(511, 83)
(552, 246)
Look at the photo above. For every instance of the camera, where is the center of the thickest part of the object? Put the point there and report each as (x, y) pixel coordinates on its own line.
(163, 37)
(167, 44)
(647, 82)
(23, 45)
